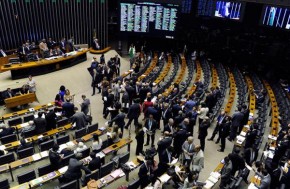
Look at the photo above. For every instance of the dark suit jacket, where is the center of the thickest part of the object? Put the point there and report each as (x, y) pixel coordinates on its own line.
(237, 119)
(50, 120)
(95, 164)
(40, 125)
(167, 114)
(210, 101)
(119, 120)
(153, 126)
(74, 169)
(167, 128)
(55, 159)
(164, 144)
(203, 129)
(68, 109)
(6, 94)
(140, 138)
(134, 111)
(179, 138)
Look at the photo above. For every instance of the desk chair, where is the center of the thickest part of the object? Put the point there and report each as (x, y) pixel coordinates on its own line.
(28, 118)
(93, 128)
(14, 121)
(71, 185)
(7, 158)
(4, 184)
(46, 145)
(25, 153)
(8, 139)
(88, 177)
(104, 145)
(43, 170)
(62, 140)
(85, 152)
(25, 177)
(28, 134)
(135, 184)
(65, 160)
(62, 122)
(124, 158)
(80, 133)
(106, 169)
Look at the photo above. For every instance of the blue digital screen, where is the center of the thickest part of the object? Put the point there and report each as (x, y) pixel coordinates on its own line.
(228, 10)
(277, 17)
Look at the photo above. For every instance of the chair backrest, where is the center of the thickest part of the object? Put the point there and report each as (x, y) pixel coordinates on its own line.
(43, 170)
(28, 117)
(62, 122)
(80, 133)
(25, 152)
(62, 139)
(65, 160)
(25, 177)
(9, 138)
(46, 145)
(70, 185)
(93, 128)
(94, 175)
(124, 158)
(29, 133)
(135, 184)
(14, 121)
(4, 184)
(86, 152)
(105, 144)
(106, 169)
(7, 158)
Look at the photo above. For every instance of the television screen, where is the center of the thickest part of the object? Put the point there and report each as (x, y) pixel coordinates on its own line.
(205, 7)
(228, 10)
(186, 6)
(278, 17)
(149, 17)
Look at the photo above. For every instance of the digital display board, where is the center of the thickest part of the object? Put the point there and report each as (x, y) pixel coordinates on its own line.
(205, 7)
(229, 10)
(186, 6)
(278, 17)
(148, 17)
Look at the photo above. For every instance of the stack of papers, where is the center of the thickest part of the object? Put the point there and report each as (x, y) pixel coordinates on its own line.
(164, 178)
(63, 169)
(44, 154)
(252, 186)
(272, 137)
(2, 147)
(213, 179)
(243, 133)
(208, 184)
(117, 173)
(215, 175)
(240, 139)
(100, 154)
(36, 157)
(24, 124)
(87, 160)
(131, 164)
(102, 128)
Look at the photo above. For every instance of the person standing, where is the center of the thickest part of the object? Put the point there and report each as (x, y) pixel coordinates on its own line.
(85, 105)
(202, 132)
(32, 85)
(220, 120)
(202, 113)
(40, 124)
(119, 120)
(226, 173)
(179, 137)
(79, 119)
(140, 139)
(188, 151)
(133, 113)
(198, 159)
(55, 158)
(237, 121)
(224, 132)
(151, 126)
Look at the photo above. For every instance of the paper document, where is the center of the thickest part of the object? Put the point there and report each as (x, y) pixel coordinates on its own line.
(116, 173)
(213, 179)
(44, 154)
(24, 124)
(215, 175)
(63, 169)
(100, 154)
(243, 133)
(131, 164)
(36, 157)
(208, 184)
(252, 186)
(164, 178)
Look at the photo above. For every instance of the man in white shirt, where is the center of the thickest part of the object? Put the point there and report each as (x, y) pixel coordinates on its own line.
(32, 85)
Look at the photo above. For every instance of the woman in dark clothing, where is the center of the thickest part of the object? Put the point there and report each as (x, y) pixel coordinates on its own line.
(140, 139)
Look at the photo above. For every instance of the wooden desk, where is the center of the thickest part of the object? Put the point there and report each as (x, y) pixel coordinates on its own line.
(123, 142)
(20, 100)
(26, 111)
(232, 93)
(165, 71)
(45, 66)
(150, 69)
(93, 51)
(197, 78)
(22, 186)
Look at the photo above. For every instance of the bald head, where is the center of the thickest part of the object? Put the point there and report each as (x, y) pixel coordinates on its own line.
(171, 121)
(186, 121)
(166, 133)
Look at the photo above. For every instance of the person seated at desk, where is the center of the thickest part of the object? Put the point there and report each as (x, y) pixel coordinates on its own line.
(28, 128)
(5, 130)
(80, 148)
(52, 53)
(63, 45)
(23, 145)
(67, 151)
(74, 169)
(2, 53)
(96, 45)
(50, 43)
(33, 46)
(95, 163)
(8, 93)
(50, 117)
(68, 109)
(58, 52)
(97, 143)
(40, 123)
(23, 51)
(146, 173)
(55, 158)
(24, 89)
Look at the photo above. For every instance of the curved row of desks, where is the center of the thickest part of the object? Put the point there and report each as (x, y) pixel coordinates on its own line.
(93, 51)
(214, 76)
(232, 93)
(151, 67)
(252, 97)
(164, 73)
(178, 79)
(197, 78)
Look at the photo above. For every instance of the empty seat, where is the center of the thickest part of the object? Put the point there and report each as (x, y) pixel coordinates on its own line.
(46, 145)
(14, 121)
(7, 158)
(93, 128)
(124, 158)
(25, 152)
(28, 117)
(43, 170)
(25, 177)
(4, 184)
(88, 177)
(134, 185)
(62, 122)
(62, 140)
(70, 185)
(106, 169)
(65, 160)
(80, 133)
(28, 133)
(9, 138)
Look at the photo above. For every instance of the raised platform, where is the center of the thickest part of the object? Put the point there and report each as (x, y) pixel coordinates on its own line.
(99, 51)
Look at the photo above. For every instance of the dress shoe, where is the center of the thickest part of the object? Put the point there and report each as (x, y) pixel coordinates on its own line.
(146, 144)
(93, 94)
(209, 139)
(230, 139)
(217, 142)
(126, 127)
(220, 150)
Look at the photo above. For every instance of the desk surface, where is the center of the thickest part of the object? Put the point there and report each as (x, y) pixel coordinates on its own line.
(20, 100)
(41, 62)
(197, 78)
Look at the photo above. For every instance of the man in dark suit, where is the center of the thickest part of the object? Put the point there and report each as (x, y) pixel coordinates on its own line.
(251, 136)
(85, 105)
(8, 93)
(151, 126)
(108, 102)
(145, 173)
(63, 45)
(237, 161)
(237, 121)
(55, 158)
(179, 137)
(224, 131)
(50, 43)
(226, 173)
(246, 113)
(95, 163)
(40, 124)
(133, 114)
(166, 113)
(169, 127)
(165, 158)
(209, 101)
(117, 64)
(68, 108)
(164, 143)
(50, 120)
(203, 132)
(220, 120)
(74, 169)
(119, 120)
(79, 119)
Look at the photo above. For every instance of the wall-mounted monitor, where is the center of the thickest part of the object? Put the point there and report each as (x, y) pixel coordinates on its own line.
(205, 7)
(229, 10)
(152, 18)
(278, 17)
